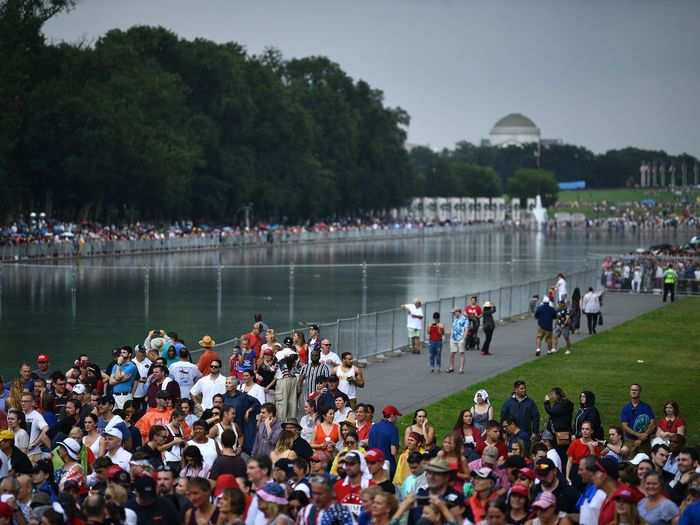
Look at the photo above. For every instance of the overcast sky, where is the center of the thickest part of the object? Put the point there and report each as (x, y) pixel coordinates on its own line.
(599, 73)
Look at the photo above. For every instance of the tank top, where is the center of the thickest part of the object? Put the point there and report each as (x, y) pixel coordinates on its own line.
(480, 420)
(435, 333)
(174, 453)
(212, 519)
(209, 450)
(220, 430)
(346, 388)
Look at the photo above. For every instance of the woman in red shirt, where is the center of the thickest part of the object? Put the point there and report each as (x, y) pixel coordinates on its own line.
(579, 449)
(436, 332)
(672, 422)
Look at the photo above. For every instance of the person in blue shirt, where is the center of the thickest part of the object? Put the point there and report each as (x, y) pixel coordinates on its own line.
(637, 418)
(124, 374)
(545, 316)
(691, 514)
(385, 436)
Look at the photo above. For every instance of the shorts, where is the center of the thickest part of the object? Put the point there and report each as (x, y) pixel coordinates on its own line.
(544, 334)
(457, 346)
(413, 332)
(562, 331)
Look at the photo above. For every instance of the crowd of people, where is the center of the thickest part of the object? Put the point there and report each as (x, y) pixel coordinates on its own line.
(286, 436)
(645, 272)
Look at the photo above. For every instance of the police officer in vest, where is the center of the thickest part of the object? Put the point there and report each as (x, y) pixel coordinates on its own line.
(670, 280)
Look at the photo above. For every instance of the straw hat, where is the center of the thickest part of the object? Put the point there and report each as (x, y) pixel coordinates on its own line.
(207, 342)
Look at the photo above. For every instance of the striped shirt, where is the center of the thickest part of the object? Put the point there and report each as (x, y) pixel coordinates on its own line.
(311, 373)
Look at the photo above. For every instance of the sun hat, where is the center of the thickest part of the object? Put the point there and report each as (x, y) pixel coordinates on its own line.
(544, 501)
(484, 395)
(206, 342)
(438, 465)
(272, 493)
(292, 421)
(72, 447)
(484, 473)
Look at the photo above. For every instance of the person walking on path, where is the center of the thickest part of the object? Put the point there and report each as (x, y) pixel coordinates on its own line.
(436, 333)
(562, 327)
(590, 305)
(489, 327)
(560, 287)
(670, 280)
(545, 315)
(458, 339)
(414, 324)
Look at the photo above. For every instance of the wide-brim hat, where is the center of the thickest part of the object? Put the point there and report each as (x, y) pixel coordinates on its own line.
(438, 465)
(292, 421)
(72, 448)
(206, 342)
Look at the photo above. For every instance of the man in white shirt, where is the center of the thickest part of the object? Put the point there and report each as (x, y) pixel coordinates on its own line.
(250, 387)
(208, 386)
(414, 324)
(37, 428)
(327, 357)
(143, 364)
(561, 288)
(185, 373)
(113, 448)
(592, 498)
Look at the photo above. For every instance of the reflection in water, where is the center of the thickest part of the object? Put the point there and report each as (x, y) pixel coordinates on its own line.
(94, 305)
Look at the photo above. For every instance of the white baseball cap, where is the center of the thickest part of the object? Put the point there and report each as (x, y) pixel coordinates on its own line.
(114, 432)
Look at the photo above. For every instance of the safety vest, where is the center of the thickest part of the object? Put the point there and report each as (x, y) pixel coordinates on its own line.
(670, 276)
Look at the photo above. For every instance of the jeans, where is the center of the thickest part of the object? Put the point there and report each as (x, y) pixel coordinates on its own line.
(592, 322)
(435, 354)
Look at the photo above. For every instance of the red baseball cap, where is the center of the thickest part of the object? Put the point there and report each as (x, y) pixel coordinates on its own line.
(520, 489)
(391, 410)
(628, 494)
(374, 455)
(223, 482)
(42, 358)
(528, 473)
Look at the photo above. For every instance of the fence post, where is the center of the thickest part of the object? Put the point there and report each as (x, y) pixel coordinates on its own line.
(357, 335)
(376, 333)
(337, 332)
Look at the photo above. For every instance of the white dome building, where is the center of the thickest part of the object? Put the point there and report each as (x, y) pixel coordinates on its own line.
(514, 130)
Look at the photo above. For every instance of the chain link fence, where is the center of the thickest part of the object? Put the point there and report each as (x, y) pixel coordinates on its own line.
(368, 335)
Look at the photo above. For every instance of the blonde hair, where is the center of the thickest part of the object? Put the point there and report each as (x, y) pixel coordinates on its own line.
(118, 493)
(390, 500)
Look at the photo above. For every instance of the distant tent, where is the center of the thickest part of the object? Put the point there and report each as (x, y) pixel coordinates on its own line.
(573, 185)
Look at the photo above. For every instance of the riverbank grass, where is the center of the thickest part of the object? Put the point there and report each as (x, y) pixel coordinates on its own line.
(660, 350)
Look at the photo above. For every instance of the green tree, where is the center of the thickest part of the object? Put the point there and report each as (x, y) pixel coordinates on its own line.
(528, 183)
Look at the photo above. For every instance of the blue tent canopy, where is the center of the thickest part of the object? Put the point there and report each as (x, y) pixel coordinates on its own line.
(573, 185)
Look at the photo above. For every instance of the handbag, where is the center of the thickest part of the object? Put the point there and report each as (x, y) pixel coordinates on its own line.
(563, 438)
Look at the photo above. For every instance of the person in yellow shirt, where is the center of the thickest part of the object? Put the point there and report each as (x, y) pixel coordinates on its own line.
(414, 443)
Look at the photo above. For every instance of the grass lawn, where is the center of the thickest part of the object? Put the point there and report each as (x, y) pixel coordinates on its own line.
(666, 340)
(618, 195)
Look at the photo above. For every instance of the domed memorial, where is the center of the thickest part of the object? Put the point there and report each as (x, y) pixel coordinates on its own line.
(514, 130)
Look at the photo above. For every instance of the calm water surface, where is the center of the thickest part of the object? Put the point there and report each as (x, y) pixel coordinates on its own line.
(92, 306)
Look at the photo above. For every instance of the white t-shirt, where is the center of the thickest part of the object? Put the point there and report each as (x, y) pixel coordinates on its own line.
(590, 510)
(331, 359)
(412, 322)
(143, 367)
(255, 391)
(637, 275)
(22, 440)
(554, 456)
(561, 288)
(208, 387)
(35, 424)
(120, 457)
(186, 374)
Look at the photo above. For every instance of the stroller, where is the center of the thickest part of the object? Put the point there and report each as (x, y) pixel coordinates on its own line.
(472, 341)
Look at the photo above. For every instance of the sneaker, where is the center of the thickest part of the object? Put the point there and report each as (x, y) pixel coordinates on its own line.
(537, 352)
(450, 370)
(567, 352)
(461, 371)
(432, 370)
(552, 351)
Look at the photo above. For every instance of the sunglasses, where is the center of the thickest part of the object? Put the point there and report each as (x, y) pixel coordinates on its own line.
(214, 366)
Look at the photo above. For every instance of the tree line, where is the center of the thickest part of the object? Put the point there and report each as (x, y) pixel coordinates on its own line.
(144, 125)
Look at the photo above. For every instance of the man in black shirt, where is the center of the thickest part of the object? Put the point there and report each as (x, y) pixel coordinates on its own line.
(228, 462)
(148, 506)
(165, 486)
(551, 481)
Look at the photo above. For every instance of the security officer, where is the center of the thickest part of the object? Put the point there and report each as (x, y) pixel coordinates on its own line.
(670, 280)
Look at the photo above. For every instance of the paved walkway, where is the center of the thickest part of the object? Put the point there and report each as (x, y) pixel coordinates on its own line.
(406, 381)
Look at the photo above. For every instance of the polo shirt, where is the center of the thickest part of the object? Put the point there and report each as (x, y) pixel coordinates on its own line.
(208, 387)
(128, 368)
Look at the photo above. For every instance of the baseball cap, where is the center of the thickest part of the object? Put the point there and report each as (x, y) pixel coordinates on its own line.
(286, 465)
(145, 486)
(628, 494)
(636, 460)
(225, 481)
(544, 466)
(528, 473)
(659, 441)
(114, 432)
(79, 389)
(544, 501)
(514, 462)
(608, 465)
(520, 489)
(374, 455)
(483, 473)
(390, 410)
(490, 455)
(42, 358)
(319, 456)
(351, 457)
(453, 499)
